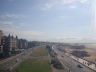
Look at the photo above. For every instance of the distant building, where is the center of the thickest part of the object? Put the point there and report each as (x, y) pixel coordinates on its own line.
(22, 44)
(1, 34)
(31, 44)
(12, 41)
(1, 41)
(10, 44)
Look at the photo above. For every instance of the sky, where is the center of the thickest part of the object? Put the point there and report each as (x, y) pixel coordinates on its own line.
(49, 20)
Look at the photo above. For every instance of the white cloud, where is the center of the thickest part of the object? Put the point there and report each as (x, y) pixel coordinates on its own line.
(72, 6)
(32, 33)
(72, 1)
(26, 34)
(6, 22)
(62, 16)
(15, 16)
(11, 15)
(56, 3)
(47, 6)
(7, 15)
(38, 35)
(50, 5)
(83, 1)
(74, 39)
(67, 1)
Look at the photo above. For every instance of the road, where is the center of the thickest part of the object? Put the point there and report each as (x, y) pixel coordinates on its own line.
(70, 63)
(10, 63)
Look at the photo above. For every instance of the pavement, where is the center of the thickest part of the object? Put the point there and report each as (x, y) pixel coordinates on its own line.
(71, 64)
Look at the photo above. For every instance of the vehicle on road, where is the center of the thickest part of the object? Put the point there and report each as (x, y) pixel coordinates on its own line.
(79, 66)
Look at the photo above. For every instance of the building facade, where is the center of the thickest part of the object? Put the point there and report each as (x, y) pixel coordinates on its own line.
(10, 45)
(22, 44)
(1, 41)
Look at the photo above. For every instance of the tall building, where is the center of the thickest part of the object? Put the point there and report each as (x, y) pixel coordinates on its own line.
(1, 41)
(22, 44)
(1, 34)
(10, 44)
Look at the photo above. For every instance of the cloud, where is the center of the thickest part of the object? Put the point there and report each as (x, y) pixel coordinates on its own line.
(83, 1)
(6, 22)
(15, 16)
(72, 6)
(32, 33)
(38, 35)
(26, 34)
(11, 15)
(50, 5)
(72, 1)
(7, 15)
(67, 1)
(71, 38)
(57, 3)
(74, 39)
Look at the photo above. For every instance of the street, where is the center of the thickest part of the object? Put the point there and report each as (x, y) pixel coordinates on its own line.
(10, 63)
(71, 64)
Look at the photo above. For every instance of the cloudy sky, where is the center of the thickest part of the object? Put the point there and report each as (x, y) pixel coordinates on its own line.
(49, 20)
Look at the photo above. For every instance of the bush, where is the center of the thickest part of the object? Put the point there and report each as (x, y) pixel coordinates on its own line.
(56, 64)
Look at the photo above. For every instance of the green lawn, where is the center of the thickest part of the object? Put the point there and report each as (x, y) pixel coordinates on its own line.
(40, 51)
(34, 65)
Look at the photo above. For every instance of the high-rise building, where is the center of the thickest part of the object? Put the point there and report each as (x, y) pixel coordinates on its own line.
(12, 43)
(22, 44)
(1, 41)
